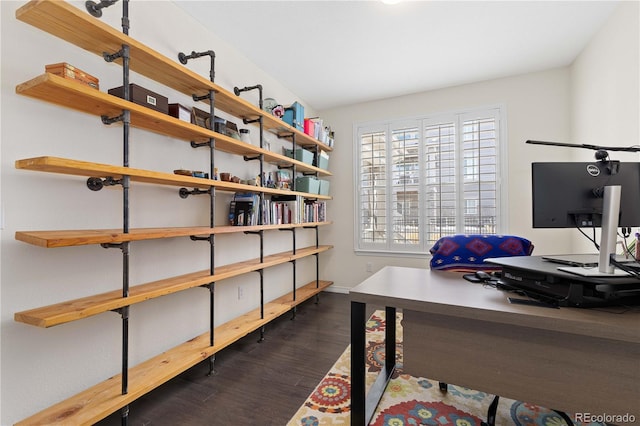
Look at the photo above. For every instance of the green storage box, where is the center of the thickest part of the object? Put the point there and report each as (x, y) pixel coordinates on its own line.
(321, 160)
(301, 155)
(307, 184)
(324, 187)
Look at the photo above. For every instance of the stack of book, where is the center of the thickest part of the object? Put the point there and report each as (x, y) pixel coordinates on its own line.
(314, 211)
(243, 209)
(279, 210)
(284, 209)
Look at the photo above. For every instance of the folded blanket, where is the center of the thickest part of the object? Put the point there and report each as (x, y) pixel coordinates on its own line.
(466, 253)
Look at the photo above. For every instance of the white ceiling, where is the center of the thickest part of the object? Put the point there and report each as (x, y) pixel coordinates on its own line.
(333, 53)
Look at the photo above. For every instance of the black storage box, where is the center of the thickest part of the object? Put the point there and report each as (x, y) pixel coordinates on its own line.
(144, 97)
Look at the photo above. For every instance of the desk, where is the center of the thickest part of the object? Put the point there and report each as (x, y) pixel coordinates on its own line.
(570, 359)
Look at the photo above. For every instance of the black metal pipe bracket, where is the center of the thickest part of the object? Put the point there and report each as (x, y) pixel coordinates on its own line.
(238, 91)
(196, 238)
(201, 98)
(185, 58)
(110, 120)
(284, 135)
(184, 192)
(110, 57)
(123, 246)
(195, 144)
(96, 183)
(95, 9)
(251, 121)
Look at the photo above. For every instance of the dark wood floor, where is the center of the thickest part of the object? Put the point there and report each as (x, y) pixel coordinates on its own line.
(254, 383)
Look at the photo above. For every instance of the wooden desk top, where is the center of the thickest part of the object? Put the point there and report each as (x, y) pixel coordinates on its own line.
(446, 293)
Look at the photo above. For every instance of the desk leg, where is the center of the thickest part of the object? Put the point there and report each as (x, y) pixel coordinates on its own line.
(364, 405)
(358, 367)
(390, 341)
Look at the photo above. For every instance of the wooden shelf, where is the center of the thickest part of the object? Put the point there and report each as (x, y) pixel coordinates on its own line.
(71, 94)
(81, 29)
(77, 27)
(89, 169)
(64, 312)
(71, 238)
(97, 402)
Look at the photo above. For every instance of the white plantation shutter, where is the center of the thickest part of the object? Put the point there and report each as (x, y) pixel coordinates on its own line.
(373, 188)
(422, 179)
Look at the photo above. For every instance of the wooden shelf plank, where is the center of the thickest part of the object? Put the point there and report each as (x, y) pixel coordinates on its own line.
(97, 402)
(64, 312)
(81, 29)
(69, 238)
(89, 169)
(73, 95)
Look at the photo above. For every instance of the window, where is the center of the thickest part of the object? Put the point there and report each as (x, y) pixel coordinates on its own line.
(418, 180)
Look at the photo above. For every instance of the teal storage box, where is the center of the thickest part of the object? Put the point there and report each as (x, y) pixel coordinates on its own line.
(308, 184)
(294, 116)
(301, 155)
(321, 160)
(324, 187)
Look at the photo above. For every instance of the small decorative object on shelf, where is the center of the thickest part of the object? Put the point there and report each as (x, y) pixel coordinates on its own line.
(278, 111)
(199, 117)
(268, 180)
(194, 173)
(244, 136)
(269, 104)
(70, 72)
(283, 179)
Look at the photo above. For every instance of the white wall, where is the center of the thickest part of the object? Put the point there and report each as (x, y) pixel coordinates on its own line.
(537, 107)
(605, 90)
(42, 366)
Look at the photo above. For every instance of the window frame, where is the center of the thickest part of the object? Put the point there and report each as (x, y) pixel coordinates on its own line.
(458, 117)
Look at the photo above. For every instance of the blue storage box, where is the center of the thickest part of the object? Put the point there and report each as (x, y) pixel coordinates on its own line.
(294, 116)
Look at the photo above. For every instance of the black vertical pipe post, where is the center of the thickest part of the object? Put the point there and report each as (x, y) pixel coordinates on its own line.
(125, 219)
(125, 17)
(212, 218)
(125, 214)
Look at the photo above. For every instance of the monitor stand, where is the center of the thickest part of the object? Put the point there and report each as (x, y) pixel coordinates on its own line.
(610, 215)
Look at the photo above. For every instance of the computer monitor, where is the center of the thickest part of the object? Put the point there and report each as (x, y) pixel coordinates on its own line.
(572, 194)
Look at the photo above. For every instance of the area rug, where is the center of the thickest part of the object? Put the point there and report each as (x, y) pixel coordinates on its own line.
(411, 400)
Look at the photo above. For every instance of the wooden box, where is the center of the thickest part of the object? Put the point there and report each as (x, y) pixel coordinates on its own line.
(66, 70)
(144, 97)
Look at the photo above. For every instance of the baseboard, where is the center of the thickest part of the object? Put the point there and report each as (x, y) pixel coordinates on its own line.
(337, 289)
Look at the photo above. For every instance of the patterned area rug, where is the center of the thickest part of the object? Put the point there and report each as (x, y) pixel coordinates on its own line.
(411, 400)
